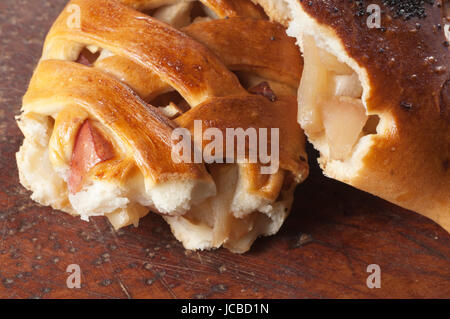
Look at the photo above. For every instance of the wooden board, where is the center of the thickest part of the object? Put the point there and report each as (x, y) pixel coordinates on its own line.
(349, 229)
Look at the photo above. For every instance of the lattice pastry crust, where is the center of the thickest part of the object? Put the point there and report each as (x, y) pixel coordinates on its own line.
(107, 95)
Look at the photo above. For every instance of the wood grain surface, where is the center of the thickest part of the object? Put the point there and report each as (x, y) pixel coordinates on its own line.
(348, 229)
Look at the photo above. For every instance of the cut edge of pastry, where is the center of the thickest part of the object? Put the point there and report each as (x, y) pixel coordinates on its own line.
(333, 94)
(235, 217)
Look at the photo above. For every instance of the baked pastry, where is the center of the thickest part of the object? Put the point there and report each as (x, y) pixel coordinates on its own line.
(376, 101)
(109, 93)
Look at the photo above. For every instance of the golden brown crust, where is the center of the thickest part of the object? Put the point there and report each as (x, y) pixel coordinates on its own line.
(235, 8)
(144, 82)
(255, 111)
(186, 65)
(142, 130)
(223, 9)
(164, 66)
(265, 51)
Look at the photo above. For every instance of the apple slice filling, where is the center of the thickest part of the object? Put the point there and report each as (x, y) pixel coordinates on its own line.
(331, 108)
(343, 118)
